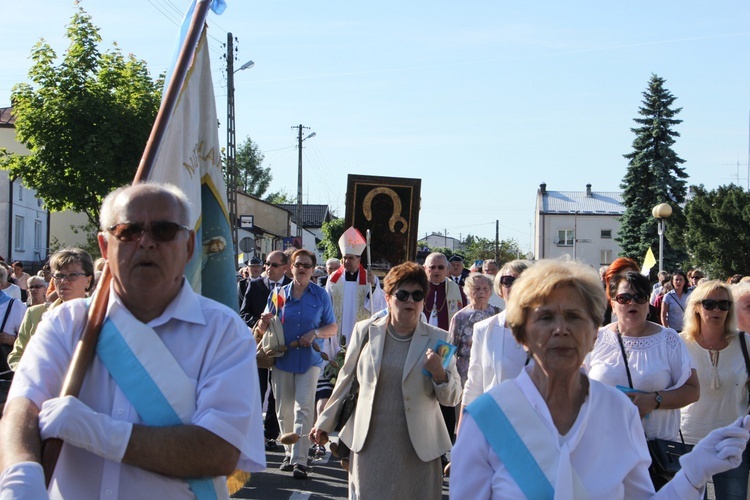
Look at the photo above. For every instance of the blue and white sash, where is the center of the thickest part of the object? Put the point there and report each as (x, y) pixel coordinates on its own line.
(522, 442)
(150, 378)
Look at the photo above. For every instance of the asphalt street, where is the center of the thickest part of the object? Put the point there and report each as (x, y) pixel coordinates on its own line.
(326, 480)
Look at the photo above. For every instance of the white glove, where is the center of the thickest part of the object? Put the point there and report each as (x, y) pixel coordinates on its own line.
(23, 481)
(720, 451)
(75, 423)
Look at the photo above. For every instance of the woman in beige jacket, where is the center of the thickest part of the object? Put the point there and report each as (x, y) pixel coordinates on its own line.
(396, 432)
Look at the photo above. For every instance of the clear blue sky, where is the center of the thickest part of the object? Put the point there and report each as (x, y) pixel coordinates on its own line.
(482, 100)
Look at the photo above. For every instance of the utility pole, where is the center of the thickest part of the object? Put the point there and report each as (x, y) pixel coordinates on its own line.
(497, 240)
(299, 177)
(231, 147)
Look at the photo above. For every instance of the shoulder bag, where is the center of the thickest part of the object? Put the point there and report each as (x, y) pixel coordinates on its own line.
(268, 346)
(6, 374)
(665, 454)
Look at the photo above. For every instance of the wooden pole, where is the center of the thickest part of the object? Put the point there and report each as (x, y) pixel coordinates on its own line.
(84, 352)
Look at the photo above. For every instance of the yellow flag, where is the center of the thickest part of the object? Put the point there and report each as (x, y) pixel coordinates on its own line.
(648, 262)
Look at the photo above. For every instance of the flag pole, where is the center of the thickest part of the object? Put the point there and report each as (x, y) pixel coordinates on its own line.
(84, 352)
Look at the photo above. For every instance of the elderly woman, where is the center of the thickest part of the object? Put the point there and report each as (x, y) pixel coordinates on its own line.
(495, 354)
(308, 318)
(396, 432)
(553, 431)
(73, 273)
(741, 293)
(638, 354)
(674, 302)
(37, 288)
(716, 351)
(477, 288)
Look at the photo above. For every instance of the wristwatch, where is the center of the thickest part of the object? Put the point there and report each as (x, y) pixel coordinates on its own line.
(659, 399)
(316, 333)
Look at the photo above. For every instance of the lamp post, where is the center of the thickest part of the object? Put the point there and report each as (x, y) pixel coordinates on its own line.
(299, 177)
(231, 142)
(660, 213)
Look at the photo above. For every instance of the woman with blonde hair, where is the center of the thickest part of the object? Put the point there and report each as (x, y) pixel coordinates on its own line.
(716, 349)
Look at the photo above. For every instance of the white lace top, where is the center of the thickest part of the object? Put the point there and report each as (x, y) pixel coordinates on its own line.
(659, 362)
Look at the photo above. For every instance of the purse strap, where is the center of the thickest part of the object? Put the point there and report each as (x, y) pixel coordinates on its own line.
(625, 357)
(743, 345)
(7, 313)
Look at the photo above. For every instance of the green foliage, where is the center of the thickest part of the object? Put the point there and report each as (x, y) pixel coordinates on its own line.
(281, 198)
(654, 176)
(92, 243)
(332, 231)
(477, 248)
(252, 178)
(85, 120)
(718, 230)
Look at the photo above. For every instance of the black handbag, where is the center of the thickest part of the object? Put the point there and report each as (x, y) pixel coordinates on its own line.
(665, 454)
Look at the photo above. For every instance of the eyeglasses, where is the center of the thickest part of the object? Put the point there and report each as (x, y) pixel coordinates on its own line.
(626, 298)
(711, 304)
(403, 295)
(71, 277)
(34, 287)
(160, 231)
(272, 264)
(441, 267)
(300, 265)
(507, 281)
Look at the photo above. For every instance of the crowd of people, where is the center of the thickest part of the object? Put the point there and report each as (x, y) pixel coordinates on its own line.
(537, 379)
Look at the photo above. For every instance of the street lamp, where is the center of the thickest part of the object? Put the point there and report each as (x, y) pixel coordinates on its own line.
(231, 142)
(299, 178)
(660, 213)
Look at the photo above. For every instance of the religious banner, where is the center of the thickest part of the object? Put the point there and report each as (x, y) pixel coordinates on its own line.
(389, 208)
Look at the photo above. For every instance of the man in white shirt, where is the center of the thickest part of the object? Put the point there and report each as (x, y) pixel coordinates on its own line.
(171, 394)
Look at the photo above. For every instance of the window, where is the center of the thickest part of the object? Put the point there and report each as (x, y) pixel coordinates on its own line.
(606, 233)
(565, 238)
(19, 233)
(37, 235)
(605, 257)
(20, 192)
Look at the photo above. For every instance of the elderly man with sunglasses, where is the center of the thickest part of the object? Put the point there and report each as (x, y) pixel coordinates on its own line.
(169, 405)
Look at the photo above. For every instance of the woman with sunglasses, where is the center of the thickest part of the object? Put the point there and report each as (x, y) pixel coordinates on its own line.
(650, 363)
(495, 354)
(73, 274)
(715, 347)
(396, 432)
(674, 302)
(307, 317)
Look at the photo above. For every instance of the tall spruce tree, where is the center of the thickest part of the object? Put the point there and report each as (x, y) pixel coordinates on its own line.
(654, 176)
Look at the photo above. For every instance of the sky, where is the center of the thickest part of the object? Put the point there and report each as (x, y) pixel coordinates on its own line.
(481, 100)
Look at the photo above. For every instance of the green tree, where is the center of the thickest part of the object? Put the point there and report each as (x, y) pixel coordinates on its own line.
(718, 230)
(85, 120)
(477, 248)
(252, 178)
(332, 231)
(281, 198)
(654, 176)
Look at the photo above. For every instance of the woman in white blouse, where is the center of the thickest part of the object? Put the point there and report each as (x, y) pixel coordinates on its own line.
(714, 343)
(659, 362)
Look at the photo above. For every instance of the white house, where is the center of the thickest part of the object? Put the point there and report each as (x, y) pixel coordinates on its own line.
(24, 220)
(435, 240)
(582, 224)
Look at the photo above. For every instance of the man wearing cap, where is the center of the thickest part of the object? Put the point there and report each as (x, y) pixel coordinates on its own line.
(355, 295)
(457, 273)
(256, 267)
(250, 272)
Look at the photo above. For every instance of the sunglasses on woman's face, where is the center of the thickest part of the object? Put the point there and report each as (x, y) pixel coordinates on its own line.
(416, 295)
(626, 298)
(711, 304)
(507, 281)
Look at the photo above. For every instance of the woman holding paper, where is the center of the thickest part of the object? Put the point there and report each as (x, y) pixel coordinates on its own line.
(402, 383)
(554, 432)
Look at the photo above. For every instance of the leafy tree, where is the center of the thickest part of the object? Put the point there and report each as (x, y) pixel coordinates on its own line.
(332, 231)
(718, 230)
(281, 198)
(654, 176)
(252, 178)
(85, 121)
(477, 248)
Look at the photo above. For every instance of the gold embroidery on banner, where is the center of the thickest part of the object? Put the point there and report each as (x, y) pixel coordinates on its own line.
(395, 217)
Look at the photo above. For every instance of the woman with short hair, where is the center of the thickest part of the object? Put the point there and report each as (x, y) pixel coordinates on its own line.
(674, 302)
(396, 433)
(37, 288)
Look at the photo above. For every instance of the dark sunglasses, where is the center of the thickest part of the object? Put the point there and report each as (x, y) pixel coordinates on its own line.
(272, 264)
(626, 298)
(436, 267)
(300, 265)
(711, 304)
(161, 231)
(34, 287)
(507, 281)
(416, 295)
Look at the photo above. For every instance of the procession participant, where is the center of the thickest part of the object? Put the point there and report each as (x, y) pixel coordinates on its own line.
(331, 265)
(12, 311)
(191, 410)
(490, 268)
(249, 273)
(256, 268)
(21, 278)
(355, 294)
(457, 273)
(253, 305)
